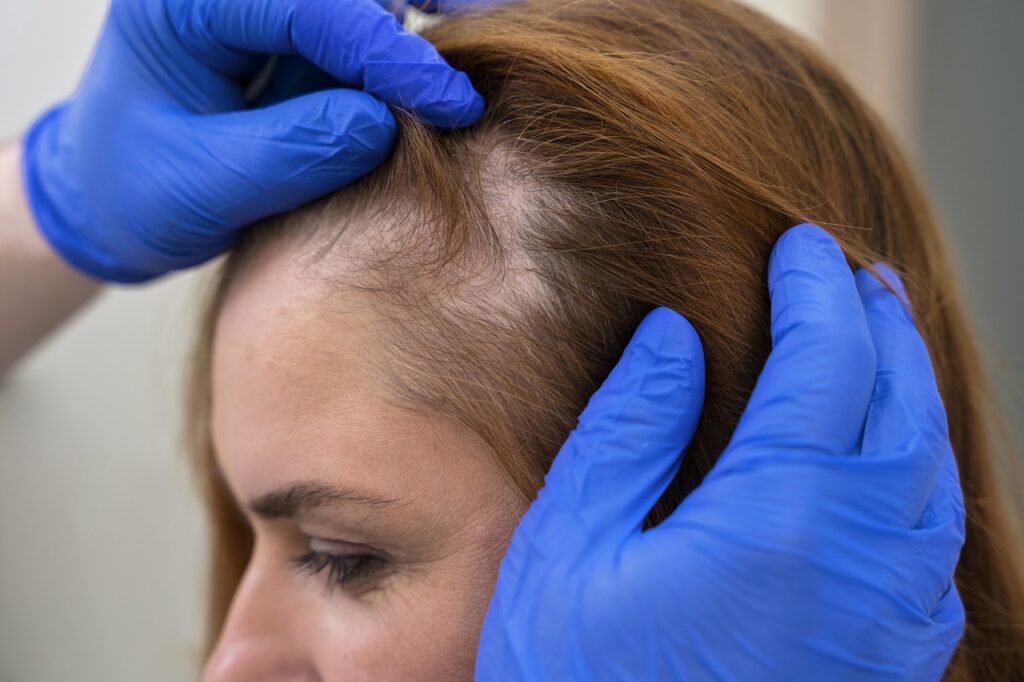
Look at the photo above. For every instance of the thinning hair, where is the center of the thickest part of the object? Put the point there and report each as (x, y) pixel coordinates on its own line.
(631, 155)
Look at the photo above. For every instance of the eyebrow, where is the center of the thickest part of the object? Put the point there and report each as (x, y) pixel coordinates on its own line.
(290, 501)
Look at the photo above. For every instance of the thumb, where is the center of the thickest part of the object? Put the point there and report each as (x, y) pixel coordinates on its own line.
(629, 442)
(277, 158)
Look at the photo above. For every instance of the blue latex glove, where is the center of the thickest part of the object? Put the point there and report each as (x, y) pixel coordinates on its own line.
(156, 163)
(822, 544)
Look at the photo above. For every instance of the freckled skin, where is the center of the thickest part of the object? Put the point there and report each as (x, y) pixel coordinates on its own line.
(298, 396)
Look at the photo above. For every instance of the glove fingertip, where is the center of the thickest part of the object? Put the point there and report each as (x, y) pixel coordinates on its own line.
(804, 248)
(349, 125)
(663, 368)
(472, 108)
(877, 296)
(456, 105)
(892, 279)
(669, 334)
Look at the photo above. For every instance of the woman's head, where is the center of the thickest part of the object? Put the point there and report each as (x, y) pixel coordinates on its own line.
(424, 339)
(325, 466)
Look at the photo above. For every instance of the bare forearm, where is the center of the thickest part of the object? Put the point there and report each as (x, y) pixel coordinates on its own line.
(37, 289)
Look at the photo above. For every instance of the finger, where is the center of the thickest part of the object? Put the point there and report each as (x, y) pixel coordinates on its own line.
(942, 527)
(629, 440)
(814, 391)
(948, 624)
(278, 158)
(949, 614)
(358, 42)
(294, 76)
(907, 419)
(906, 396)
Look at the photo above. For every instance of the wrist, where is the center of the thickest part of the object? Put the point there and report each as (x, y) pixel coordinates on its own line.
(18, 228)
(37, 288)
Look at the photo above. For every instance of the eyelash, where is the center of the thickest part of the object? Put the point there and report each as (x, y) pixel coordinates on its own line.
(341, 570)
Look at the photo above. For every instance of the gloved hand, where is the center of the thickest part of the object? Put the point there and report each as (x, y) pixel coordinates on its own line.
(821, 545)
(156, 162)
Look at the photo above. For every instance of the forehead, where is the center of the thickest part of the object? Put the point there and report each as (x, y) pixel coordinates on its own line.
(299, 393)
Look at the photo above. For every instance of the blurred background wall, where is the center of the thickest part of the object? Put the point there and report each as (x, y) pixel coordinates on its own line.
(100, 536)
(970, 146)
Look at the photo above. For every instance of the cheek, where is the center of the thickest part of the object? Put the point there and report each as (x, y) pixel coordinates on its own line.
(415, 636)
(426, 624)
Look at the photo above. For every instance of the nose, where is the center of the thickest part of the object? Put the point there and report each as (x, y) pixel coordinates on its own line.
(258, 642)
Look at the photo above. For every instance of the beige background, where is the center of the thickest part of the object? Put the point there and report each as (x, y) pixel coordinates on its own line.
(100, 536)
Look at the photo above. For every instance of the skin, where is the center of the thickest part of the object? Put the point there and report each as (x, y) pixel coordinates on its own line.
(37, 289)
(298, 401)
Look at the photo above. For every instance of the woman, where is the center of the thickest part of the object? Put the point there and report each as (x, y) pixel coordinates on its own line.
(425, 338)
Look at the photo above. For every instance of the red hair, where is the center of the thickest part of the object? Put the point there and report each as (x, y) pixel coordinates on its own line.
(634, 155)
